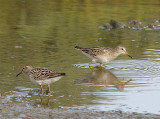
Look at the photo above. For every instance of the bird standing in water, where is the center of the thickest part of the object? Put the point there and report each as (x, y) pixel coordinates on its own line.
(41, 76)
(102, 55)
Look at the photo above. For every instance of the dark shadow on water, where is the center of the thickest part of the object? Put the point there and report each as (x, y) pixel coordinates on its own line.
(102, 77)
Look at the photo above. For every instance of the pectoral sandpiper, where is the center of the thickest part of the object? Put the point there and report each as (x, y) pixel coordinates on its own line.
(41, 76)
(102, 55)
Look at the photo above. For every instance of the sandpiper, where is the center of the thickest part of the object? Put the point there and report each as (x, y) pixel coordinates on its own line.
(102, 55)
(41, 76)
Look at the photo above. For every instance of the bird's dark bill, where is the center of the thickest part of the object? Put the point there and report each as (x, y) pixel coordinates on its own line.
(130, 56)
(18, 74)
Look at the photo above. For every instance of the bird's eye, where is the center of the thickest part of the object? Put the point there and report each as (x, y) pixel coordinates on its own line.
(121, 48)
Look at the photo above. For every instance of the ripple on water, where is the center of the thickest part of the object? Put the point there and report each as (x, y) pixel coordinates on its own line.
(141, 94)
(134, 67)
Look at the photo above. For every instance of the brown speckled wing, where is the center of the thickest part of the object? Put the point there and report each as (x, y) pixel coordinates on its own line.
(95, 51)
(43, 73)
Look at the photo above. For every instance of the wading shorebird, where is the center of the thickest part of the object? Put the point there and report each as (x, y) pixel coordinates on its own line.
(41, 76)
(102, 55)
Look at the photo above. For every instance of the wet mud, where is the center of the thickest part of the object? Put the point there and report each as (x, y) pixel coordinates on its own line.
(26, 111)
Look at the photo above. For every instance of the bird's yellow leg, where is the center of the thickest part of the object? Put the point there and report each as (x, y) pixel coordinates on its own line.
(90, 66)
(41, 90)
(49, 91)
(99, 67)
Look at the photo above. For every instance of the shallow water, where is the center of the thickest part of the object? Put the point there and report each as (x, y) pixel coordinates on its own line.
(44, 33)
(130, 87)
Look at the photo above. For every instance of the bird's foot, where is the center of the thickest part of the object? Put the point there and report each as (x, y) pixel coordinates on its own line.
(90, 66)
(40, 92)
(48, 92)
(99, 67)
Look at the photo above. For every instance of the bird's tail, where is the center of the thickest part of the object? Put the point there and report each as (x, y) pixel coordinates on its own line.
(77, 47)
(63, 74)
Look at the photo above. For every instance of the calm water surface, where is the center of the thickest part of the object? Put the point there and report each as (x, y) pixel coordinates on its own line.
(44, 33)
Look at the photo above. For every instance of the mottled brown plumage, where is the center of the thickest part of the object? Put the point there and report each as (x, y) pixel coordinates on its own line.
(103, 55)
(43, 73)
(41, 76)
(95, 50)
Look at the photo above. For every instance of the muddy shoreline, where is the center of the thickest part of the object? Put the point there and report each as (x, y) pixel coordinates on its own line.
(27, 111)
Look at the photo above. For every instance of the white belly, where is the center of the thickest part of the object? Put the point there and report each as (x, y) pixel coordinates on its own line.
(103, 59)
(44, 82)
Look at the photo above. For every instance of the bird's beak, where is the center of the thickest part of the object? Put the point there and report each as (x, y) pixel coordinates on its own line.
(19, 74)
(128, 54)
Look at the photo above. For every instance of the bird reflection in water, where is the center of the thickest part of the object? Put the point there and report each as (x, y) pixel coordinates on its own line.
(102, 77)
(42, 103)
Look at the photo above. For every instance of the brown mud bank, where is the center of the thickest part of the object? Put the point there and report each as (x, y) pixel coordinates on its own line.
(28, 111)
